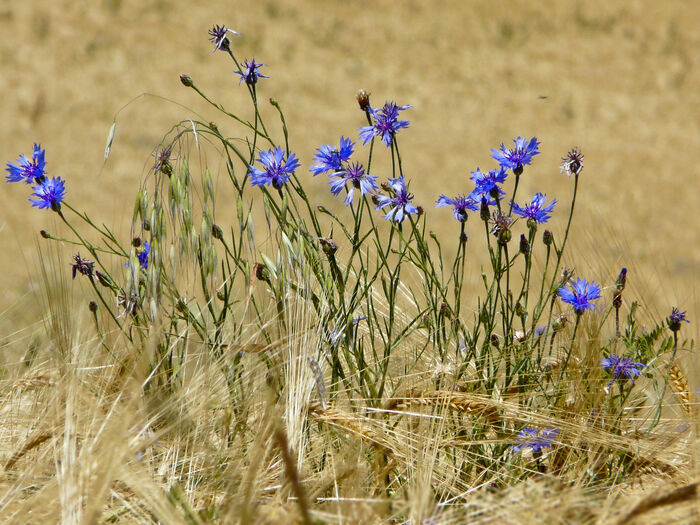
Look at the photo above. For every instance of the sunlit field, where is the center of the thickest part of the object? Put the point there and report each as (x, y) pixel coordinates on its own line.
(362, 262)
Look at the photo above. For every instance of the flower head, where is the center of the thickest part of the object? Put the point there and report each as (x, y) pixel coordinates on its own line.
(82, 266)
(219, 37)
(143, 255)
(277, 169)
(580, 295)
(486, 183)
(386, 123)
(536, 210)
(621, 368)
(573, 162)
(517, 157)
(331, 158)
(675, 319)
(461, 205)
(535, 439)
(49, 194)
(249, 72)
(30, 171)
(358, 179)
(400, 200)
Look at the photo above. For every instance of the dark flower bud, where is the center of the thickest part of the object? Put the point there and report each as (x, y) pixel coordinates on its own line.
(186, 80)
(217, 232)
(621, 280)
(146, 225)
(261, 272)
(181, 306)
(463, 238)
(547, 238)
(214, 127)
(385, 186)
(220, 295)
(329, 246)
(375, 199)
(494, 340)
(445, 310)
(520, 310)
(136, 242)
(92, 306)
(524, 244)
(420, 210)
(484, 210)
(45, 234)
(363, 100)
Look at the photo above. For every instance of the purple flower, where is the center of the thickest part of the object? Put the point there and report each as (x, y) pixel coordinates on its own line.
(621, 368)
(277, 170)
(580, 295)
(250, 72)
(219, 37)
(536, 210)
(520, 155)
(30, 171)
(400, 201)
(143, 255)
(461, 205)
(486, 182)
(535, 439)
(331, 158)
(675, 319)
(49, 194)
(358, 179)
(573, 162)
(386, 123)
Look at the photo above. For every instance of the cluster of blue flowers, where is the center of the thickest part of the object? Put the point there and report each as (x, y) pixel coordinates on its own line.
(48, 193)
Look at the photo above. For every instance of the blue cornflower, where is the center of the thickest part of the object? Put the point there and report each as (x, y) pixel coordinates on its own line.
(400, 200)
(331, 158)
(358, 179)
(30, 171)
(621, 367)
(143, 255)
(486, 182)
(515, 158)
(219, 37)
(535, 439)
(461, 205)
(580, 295)
(277, 170)
(250, 72)
(536, 210)
(386, 123)
(675, 319)
(49, 194)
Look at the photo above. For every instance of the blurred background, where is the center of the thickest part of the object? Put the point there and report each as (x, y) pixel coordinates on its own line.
(619, 80)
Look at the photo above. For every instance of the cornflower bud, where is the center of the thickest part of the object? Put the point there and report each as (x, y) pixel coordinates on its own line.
(217, 232)
(363, 100)
(186, 80)
(45, 234)
(329, 246)
(524, 244)
(484, 210)
(92, 306)
(261, 272)
(547, 238)
(494, 341)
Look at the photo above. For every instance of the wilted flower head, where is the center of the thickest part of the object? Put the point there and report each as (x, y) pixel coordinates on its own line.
(573, 162)
(461, 205)
(49, 194)
(621, 368)
(386, 123)
(487, 182)
(277, 169)
(249, 72)
(82, 266)
(400, 201)
(536, 210)
(517, 157)
(675, 319)
(163, 158)
(219, 37)
(331, 158)
(535, 439)
(30, 171)
(580, 295)
(358, 179)
(500, 222)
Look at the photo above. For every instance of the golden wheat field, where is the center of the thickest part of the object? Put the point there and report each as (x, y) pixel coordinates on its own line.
(617, 79)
